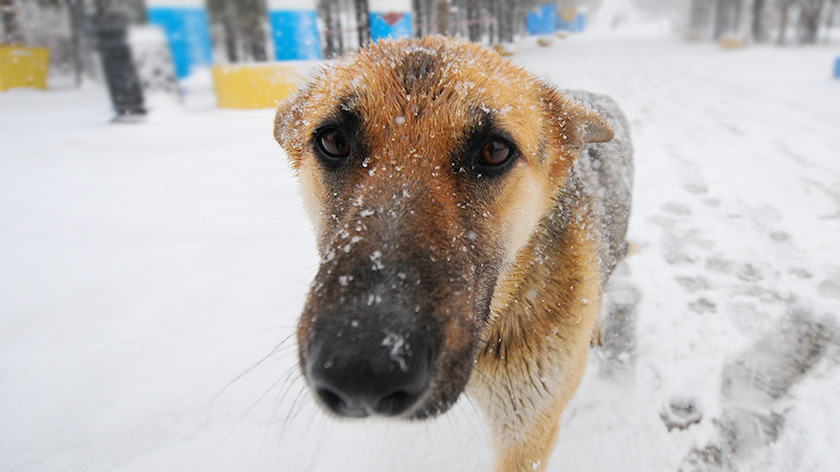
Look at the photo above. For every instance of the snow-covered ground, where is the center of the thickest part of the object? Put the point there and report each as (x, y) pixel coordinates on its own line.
(148, 272)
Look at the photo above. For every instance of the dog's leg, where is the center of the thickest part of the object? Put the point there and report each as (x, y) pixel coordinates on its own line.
(533, 364)
(524, 412)
(537, 343)
(532, 447)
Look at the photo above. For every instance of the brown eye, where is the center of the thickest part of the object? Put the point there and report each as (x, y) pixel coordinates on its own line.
(334, 143)
(495, 153)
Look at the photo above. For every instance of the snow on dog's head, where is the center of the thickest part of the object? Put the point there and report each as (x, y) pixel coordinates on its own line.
(425, 167)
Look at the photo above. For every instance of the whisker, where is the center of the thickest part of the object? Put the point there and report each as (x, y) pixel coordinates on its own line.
(281, 394)
(249, 370)
(302, 397)
(247, 413)
(292, 414)
(307, 269)
(462, 409)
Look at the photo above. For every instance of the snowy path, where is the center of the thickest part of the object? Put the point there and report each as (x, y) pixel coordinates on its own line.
(144, 268)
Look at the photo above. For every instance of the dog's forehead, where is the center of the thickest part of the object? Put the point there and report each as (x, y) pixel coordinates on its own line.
(444, 84)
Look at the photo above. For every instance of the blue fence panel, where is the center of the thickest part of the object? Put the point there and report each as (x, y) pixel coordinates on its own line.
(390, 25)
(188, 33)
(580, 23)
(575, 26)
(544, 21)
(295, 34)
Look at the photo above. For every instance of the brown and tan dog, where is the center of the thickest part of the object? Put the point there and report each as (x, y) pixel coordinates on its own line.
(467, 223)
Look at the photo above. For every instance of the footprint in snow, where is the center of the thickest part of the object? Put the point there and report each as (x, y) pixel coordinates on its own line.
(617, 351)
(830, 287)
(754, 386)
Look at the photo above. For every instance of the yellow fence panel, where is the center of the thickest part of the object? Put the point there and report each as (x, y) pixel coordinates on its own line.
(255, 85)
(23, 67)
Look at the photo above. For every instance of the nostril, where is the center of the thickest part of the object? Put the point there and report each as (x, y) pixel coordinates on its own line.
(331, 400)
(359, 378)
(395, 403)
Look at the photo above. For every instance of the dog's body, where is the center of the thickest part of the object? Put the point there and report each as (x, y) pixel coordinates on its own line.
(468, 218)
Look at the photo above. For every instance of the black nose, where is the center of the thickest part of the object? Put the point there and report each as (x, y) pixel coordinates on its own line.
(360, 372)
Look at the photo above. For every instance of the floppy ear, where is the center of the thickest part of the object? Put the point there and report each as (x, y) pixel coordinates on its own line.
(575, 124)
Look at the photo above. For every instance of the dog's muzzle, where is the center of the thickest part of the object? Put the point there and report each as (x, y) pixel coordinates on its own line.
(364, 368)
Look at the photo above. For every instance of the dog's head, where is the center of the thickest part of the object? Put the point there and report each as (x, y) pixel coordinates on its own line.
(425, 166)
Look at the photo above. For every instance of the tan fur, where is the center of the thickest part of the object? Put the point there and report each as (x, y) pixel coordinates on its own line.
(533, 348)
(524, 388)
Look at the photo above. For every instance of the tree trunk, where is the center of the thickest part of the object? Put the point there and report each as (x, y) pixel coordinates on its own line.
(474, 20)
(727, 18)
(443, 17)
(253, 14)
(12, 29)
(223, 13)
(737, 9)
(76, 12)
(720, 19)
(418, 18)
(784, 5)
(809, 20)
(228, 26)
(758, 21)
(423, 14)
(363, 21)
(829, 21)
(699, 17)
(328, 9)
(505, 20)
(493, 21)
(101, 7)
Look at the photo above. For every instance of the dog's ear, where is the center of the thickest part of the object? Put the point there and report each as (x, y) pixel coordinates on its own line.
(286, 130)
(575, 124)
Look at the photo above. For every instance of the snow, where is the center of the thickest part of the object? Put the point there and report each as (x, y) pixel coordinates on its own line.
(152, 275)
(398, 348)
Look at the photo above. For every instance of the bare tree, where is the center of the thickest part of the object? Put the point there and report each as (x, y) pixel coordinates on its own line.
(810, 12)
(12, 29)
(328, 10)
(728, 18)
(758, 30)
(829, 20)
(253, 24)
(78, 37)
(752, 17)
(363, 21)
(784, 7)
(474, 20)
(442, 18)
(506, 21)
(489, 21)
(243, 25)
(419, 17)
(699, 18)
(424, 12)
(227, 20)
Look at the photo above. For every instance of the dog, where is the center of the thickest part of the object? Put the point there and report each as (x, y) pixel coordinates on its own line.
(467, 217)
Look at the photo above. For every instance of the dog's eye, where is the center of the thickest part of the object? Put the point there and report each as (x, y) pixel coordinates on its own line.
(334, 143)
(495, 152)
